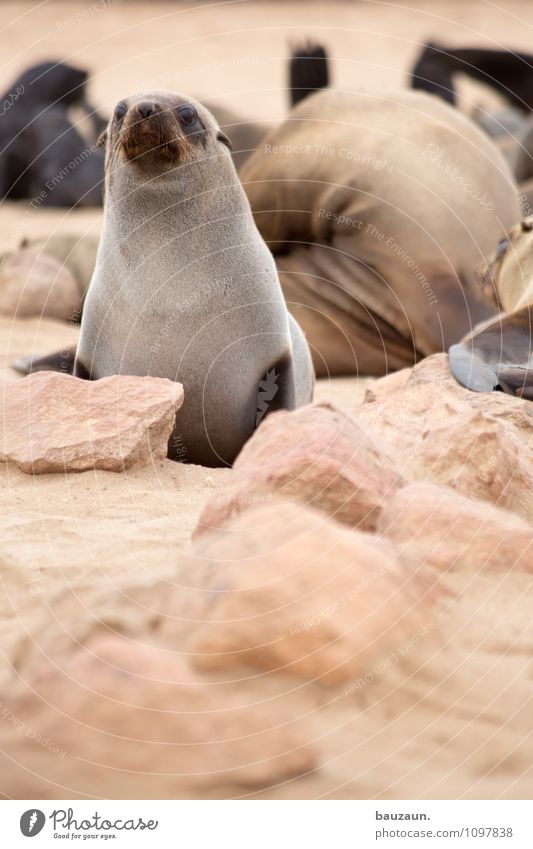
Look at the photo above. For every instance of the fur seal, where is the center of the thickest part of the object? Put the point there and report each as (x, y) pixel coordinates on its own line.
(184, 286)
(508, 72)
(378, 206)
(42, 154)
(497, 356)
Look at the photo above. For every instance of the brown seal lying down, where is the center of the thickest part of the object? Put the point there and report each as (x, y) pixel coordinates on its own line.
(378, 206)
(497, 355)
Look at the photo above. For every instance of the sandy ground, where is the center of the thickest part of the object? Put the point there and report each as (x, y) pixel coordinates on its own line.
(102, 529)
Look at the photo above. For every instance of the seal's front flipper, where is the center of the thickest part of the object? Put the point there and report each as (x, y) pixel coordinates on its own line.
(471, 370)
(58, 361)
(497, 356)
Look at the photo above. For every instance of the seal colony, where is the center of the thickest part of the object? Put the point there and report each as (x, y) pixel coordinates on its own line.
(184, 286)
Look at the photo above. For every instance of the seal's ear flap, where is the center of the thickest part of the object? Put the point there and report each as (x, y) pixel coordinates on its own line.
(224, 139)
(102, 139)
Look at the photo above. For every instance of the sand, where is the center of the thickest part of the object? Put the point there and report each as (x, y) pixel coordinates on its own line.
(100, 530)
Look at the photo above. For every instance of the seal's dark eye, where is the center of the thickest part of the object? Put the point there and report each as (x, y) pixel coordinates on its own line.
(187, 115)
(120, 110)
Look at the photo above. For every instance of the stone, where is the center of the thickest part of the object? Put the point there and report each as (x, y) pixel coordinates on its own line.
(34, 284)
(115, 718)
(439, 432)
(384, 387)
(436, 526)
(76, 251)
(317, 455)
(53, 422)
(284, 589)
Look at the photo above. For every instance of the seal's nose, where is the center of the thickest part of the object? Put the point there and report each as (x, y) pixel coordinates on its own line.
(146, 108)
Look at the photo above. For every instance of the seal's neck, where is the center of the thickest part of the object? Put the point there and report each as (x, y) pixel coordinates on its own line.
(176, 225)
(180, 200)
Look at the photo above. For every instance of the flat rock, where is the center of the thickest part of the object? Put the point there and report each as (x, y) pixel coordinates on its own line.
(53, 422)
(116, 719)
(317, 455)
(437, 526)
(479, 444)
(34, 284)
(286, 589)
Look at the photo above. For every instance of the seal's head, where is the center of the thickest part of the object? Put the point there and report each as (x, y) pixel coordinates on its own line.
(160, 130)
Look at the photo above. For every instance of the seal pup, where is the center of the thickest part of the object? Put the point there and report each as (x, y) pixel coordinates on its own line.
(378, 206)
(184, 286)
(497, 355)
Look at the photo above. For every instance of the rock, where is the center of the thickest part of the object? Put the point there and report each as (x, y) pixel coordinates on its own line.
(34, 284)
(285, 589)
(437, 526)
(56, 423)
(75, 251)
(150, 727)
(317, 455)
(382, 389)
(478, 444)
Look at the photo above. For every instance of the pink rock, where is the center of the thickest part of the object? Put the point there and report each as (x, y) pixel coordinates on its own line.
(52, 422)
(317, 455)
(439, 432)
(116, 719)
(285, 589)
(34, 284)
(382, 389)
(437, 526)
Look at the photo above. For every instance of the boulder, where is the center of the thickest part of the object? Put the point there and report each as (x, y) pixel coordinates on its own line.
(76, 251)
(437, 526)
(285, 589)
(119, 719)
(384, 387)
(34, 284)
(53, 422)
(316, 455)
(478, 444)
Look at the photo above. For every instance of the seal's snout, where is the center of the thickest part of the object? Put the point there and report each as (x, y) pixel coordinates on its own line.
(149, 130)
(146, 109)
